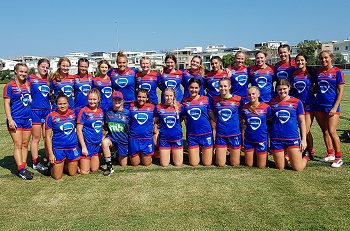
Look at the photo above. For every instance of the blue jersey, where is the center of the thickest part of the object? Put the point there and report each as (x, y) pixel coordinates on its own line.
(186, 76)
(149, 82)
(40, 92)
(239, 81)
(197, 118)
(302, 82)
(285, 118)
(170, 124)
(212, 83)
(141, 122)
(262, 78)
(328, 81)
(284, 70)
(92, 125)
(63, 129)
(171, 80)
(19, 99)
(82, 86)
(66, 86)
(124, 81)
(227, 114)
(104, 86)
(256, 128)
(118, 125)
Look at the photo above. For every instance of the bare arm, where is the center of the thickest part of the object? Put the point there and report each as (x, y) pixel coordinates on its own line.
(212, 115)
(48, 141)
(302, 126)
(339, 98)
(12, 123)
(80, 135)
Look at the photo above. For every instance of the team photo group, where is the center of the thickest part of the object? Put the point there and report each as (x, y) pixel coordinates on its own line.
(223, 112)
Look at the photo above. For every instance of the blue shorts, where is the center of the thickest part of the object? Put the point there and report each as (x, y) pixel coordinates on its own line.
(281, 145)
(323, 109)
(233, 142)
(22, 124)
(71, 154)
(93, 150)
(122, 147)
(39, 116)
(260, 148)
(308, 108)
(145, 146)
(204, 141)
(170, 145)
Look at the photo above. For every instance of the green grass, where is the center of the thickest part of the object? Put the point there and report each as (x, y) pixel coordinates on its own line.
(186, 198)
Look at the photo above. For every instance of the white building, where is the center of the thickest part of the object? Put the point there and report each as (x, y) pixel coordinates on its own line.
(7, 64)
(269, 44)
(343, 48)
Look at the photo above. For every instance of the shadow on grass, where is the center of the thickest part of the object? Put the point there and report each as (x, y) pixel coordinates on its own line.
(344, 136)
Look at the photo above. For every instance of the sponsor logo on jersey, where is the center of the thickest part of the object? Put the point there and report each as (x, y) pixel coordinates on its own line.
(171, 84)
(254, 122)
(146, 86)
(283, 116)
(25, 98)
(170, 121)
(107, 91)
(324, 86)
(215, 84)
(282, 75)
(141, 118)
(85, 88)
(44, 89)
(300, 86)
(67, 128)
(225, 114)
(195, 113)
(97, 125)
(261, 81)
(241, 79)
(121, 82)
(67, 90)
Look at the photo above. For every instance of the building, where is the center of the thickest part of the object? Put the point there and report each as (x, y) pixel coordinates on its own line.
(269, 44)
(343, 48)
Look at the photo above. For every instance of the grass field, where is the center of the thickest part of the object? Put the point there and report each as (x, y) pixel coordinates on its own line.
(185, 198)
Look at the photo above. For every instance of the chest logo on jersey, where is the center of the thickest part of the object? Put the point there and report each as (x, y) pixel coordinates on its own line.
(107, 91)
(241, 79)
(170, 121)
(215, 84)
(121, 82)
(254, 122)
(261, 81)
(44, 89)
(225, 114)
(324, 86)
(25, 98)
(67, 128)
(171, 84)
(283, 116)
(195, 113)
(141, 118)
(67, 90)
(146, 86)
(97, 125)
(300, 86)
(282, 75)
(85, 89)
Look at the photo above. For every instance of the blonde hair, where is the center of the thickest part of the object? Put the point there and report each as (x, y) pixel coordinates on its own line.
(250, 108)
(174, 103)
(57, 76)
(17, 66)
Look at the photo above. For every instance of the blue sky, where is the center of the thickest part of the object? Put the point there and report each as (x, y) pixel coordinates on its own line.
(45, 28)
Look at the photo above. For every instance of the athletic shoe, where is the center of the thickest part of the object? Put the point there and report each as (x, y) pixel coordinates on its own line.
(26, 175)
(337, 163)
(108, 172)
(40, 167)
(328, 158)
(306, 155)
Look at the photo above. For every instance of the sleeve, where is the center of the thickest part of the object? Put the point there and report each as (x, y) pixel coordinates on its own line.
(300, 108)
(156, 113)
(340, 77)
(81, 117)
(109, 73)
(48, 121)
(210, 105)
(159, 81)
(7, 91)
(51, 85)
(268, 111)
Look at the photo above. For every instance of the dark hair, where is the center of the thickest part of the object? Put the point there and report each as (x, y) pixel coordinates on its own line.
(260, 52)
(200, 69)
(283, 82)
(82, 60)
(43, 61)
(195, 80)
(310, 70)
(225, 79)
(288, 48)
(172, 57)
(141, 90)
(217, 58)
(103, 61)
(121, 55)
(61, 95)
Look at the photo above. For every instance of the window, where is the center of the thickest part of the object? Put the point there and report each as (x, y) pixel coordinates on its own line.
(346, 48)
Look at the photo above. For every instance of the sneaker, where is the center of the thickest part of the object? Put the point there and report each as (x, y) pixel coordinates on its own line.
(40, 167)
(108, 172)
(26, 175)
(328, 158)
(306, 155)
(337, 163)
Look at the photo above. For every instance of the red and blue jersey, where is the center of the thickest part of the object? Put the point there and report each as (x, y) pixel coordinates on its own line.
(118, 125)
(40, 92)
(82, 86)
(302, 82)
(171, 80)
(92, 125)
(124, 81)
(256, 128)
(197, 118)
(63, 129)
(186, 76)
(149, 82)
(239, 81)
(170, 124)
(66, 85)
(19, 100)
(284, 70)
(227, 114)
(328, 81)
(285, 118)
(262, 78)
(141, 121)
(212, 83)
(105, 88)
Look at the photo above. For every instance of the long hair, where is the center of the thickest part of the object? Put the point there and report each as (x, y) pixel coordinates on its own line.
(57, 76)
(250, 108)
(201, 68)
(17, 66)
(174, 103)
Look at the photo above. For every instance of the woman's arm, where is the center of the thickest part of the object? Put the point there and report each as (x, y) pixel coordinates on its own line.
(80, 135)
(48, 141)
(11, 122)
(302, 126)
(339, 98)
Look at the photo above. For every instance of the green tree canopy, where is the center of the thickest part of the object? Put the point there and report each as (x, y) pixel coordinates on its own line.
(310, 48)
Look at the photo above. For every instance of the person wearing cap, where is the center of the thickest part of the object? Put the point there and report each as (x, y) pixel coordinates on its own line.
(117, 126)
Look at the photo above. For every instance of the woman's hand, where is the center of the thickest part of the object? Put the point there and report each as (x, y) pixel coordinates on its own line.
(52, 158)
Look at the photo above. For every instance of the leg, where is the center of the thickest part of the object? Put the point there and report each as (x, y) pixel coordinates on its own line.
(57, 170)
(332, 127)
(164, 157)
(309, 139)
(178, 156)
(17, 139)
(146, 159)
(207, 156)
(25, 143)
(235, 156)
(72, 167)
(322, 119)
(123, 160)
(261, 159)
(220, 158)
(84, 164)
(34, 146)
(279, 159)
(249, 157)
(135, 160)
(193, 156)
(213, 126)
(297, 162)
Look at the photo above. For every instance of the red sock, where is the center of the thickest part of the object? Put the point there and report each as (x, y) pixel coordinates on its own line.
(35, 160)
(330, 151)
(338, 155)
(311, 151)
(21, 166)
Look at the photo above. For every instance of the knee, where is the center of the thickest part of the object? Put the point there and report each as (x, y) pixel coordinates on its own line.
(83, 172)
(56, 177)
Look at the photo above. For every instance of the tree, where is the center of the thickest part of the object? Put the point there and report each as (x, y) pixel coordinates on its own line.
(248, 62)
(5, 74)
(339, 59)
(31, 71)
(154, 65)
(228, 60)
(310, 48)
